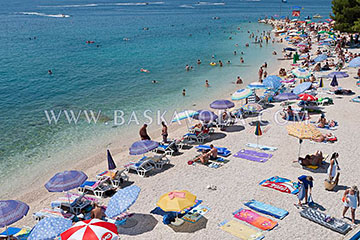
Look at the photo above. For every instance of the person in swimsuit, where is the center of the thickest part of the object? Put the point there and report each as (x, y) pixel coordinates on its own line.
(164, 132)
(334, 166)
(213, 154)
(351, 200)
(313, 159)
(207, 83)
(143, 133)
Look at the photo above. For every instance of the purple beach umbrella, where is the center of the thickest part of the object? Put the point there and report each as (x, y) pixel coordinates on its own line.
(286, 96)
(334, 82)
(142, 147)
(338, 74)
(222, 104)
(111, 163)
(12, 211)
(205, 116)
(65, 181)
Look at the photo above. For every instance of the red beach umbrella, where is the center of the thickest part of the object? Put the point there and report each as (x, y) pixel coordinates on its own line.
(307, 97)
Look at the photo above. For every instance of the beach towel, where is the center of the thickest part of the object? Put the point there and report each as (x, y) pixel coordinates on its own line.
(255, 219)
(354, 234)
(253, 155)
(357, 99)
(240, 230)
(196, 213)
(281, 184)
(222, 151)
(267, 209)
(264, 148)
(327, 221)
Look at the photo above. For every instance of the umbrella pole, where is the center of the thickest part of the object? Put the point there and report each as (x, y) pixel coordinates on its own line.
(299, 150)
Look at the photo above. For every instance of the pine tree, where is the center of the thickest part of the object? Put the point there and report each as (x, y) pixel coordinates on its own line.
(346, 15)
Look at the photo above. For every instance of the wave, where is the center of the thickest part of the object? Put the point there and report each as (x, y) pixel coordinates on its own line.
(72, 6)
(45, 15)
(210, 3)
(104, 4)
(186, 6)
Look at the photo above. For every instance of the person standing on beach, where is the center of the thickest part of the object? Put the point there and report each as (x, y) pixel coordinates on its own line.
(164, 132)
(351, 200)
(306, 185)
(260, 74)
(143, 133)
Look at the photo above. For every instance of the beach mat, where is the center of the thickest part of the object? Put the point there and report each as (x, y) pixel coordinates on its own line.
(240, 230)
(255, 219)
(267, 209)
(253, 155)
(222, 151)
(262, 147)
(196, 213)
(281, 184)
(334, 224)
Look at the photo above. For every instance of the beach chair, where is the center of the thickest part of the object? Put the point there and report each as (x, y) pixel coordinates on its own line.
(57, 212)
(143, 166)
(169, 149)
(116, 178)
(98, 188)
(159, 161)
(200, 138)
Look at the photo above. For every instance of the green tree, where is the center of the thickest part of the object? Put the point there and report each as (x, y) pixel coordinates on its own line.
(346, 15)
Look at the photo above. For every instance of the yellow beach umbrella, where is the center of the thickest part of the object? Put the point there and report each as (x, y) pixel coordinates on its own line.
(303, 131)
(176, 201)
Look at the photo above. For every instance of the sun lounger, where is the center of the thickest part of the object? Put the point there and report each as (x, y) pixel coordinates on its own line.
(18, 233)
(354, 234)
(159, 161)
(115, 177)
(240, 230)
(200, 138)
(98, 188)
(327, 221)
(224, 152)
(169, 149)
(267, 209)
(255, 219)
(57, 212)
(143, 166)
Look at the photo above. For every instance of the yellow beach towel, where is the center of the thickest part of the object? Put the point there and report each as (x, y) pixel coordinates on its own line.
(241, 230)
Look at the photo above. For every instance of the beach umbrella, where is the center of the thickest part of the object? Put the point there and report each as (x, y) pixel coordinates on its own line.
(286, 96)
(176, 201)
(256, 85)
(111, 163)
(302, 131)
(296, 57)
(92, 229)
(290, 49)
(287, 80)
(301, 73)
(252, 107)
(122, 200)
(355, 62)
(358, 83)
(11, 211)
(321, 84)
(302, 87)
(307, 97)
(334, 82)
(320, 58)
(142, 147)
(49, 228)
(205, 116)
(222, 104)
(272, 81)
(258, 132)
(65, 181)
(183, 115)
(241, 94)
(338, 74)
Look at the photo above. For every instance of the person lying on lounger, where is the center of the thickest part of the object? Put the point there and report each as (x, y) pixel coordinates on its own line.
(313, 159)
(324, 137)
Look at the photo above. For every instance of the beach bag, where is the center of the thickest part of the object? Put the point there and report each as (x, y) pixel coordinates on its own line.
(310, 201)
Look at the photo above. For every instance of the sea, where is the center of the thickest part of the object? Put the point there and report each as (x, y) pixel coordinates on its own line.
(97, 51)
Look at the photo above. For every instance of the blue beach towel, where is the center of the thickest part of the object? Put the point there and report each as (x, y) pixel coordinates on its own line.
(222, 151)
(267, 209)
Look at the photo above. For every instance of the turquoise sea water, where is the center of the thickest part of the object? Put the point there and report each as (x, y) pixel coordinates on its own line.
(107, 77)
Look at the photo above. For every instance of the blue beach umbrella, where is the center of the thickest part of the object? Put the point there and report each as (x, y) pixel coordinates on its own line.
(355, 62)
(142, 147)
(290, 49)
(205, 116)
(122, 200)
(183, 115)
(65, 181)
(302, 87)
(49, 228)
(222, 104)
(241, 94)
(272, 81)
(286, 96)
(256, 85)
(334, 82)
(12, 211)
(338, 74)
(320, 58)
(111, 163)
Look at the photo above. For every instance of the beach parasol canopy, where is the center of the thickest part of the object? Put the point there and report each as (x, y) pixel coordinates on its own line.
(222, 104)
(183, 115)
(252, 107)
(241, 94)
(303, 131)
(142, 147)
(92, 229)
(287, 80)
(205, 116)
(111, 163)
(12, 211)
(320, 58)
(301, 73)
(355, 62)
(338, 74)
(302, 87)
(49, 228)
(272, 81)
(321, 84)
(286, 96)
(334, 82)
(307, 97)
(122, 200)
(256, 85)
(176, 201)
(358, 83)
(65, 181)
(290, 49)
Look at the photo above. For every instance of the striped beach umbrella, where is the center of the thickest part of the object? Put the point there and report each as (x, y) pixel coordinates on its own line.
(142, 147)
(307, 97)
(258, 132)
(252, 107)
(183, 115)
(92, 229)
(358, 83)
(241, 94)
(287, 80)
(256, 85)
(65, 181)
(301, 73)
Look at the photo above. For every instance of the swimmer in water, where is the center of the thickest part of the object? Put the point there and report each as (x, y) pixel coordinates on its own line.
(49, 72)
(154, 81)
(144, 70)
(198, 61)
(239, 80)
(220, 63)
(228, 62)
(187, 67)
(183, 92)
(241, 60)
(234, 52)
(247, 45)
(207, 83)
